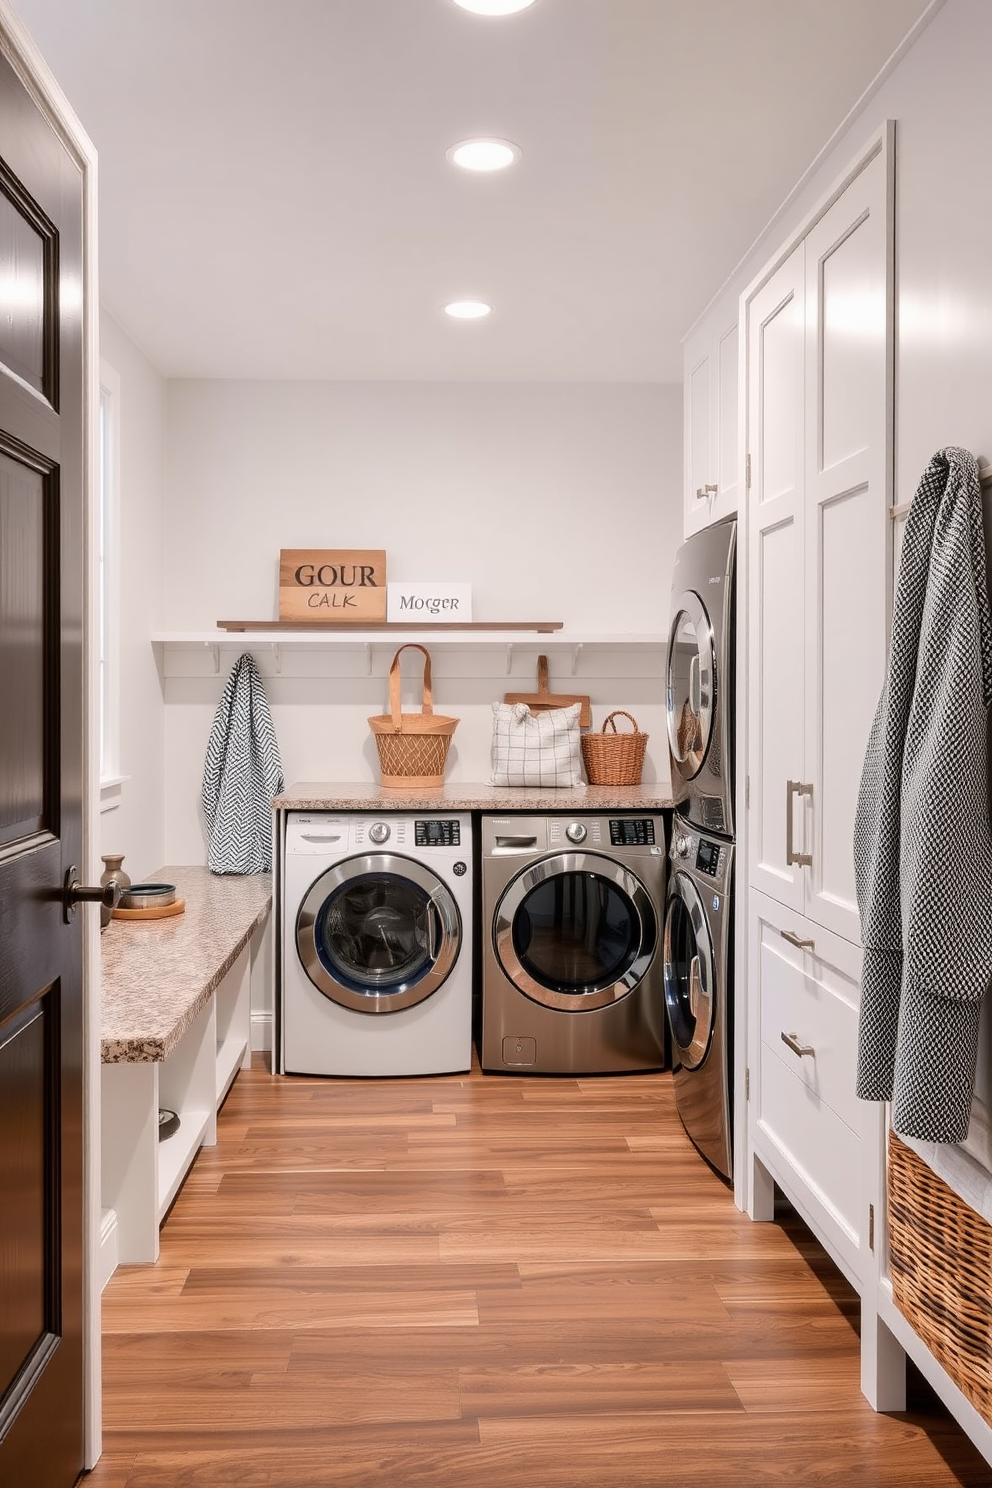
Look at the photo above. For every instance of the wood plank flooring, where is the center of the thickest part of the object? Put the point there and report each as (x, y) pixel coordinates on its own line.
(487, 1282)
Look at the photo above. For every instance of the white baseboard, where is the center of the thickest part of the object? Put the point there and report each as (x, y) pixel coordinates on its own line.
(261, 1030)
(109, 1247)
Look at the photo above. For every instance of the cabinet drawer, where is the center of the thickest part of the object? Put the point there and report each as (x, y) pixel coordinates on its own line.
(824, 1152)
(812, 1003)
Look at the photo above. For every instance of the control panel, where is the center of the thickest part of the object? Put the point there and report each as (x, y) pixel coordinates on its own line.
(437, 833)
(631, 831)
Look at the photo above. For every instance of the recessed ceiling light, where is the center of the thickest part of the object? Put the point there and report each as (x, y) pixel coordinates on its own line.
(494, 7)
(467, 309)
(483, 154)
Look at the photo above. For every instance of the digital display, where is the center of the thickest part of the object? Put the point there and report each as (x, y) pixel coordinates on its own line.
(708, 858)
(437, 834)
(632, 831)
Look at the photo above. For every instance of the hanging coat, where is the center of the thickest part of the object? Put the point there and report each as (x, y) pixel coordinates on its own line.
(241, 774)
(922, 846)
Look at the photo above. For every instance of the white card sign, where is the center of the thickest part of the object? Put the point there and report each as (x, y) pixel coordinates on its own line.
(428, 604)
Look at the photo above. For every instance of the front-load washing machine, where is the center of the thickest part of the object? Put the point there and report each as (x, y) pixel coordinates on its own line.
(572, 910)
(376, 958)
(697, 964)
(700, 687)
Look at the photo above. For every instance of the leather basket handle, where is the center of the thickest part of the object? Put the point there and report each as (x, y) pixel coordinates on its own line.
(427, 703)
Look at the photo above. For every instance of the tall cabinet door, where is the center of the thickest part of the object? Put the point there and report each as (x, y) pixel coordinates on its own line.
(845, 531)
(776, 369)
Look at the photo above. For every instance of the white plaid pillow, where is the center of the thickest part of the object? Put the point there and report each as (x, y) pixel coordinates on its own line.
(536, 748)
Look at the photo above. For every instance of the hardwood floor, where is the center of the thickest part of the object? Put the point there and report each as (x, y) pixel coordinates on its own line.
(486, 1282)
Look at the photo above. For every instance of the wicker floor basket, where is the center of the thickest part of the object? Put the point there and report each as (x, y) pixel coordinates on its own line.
(940, 1259)
(612, 758)
(413, 747)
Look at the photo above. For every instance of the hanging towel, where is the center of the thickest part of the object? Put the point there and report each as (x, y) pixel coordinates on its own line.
(922, 846)
(241, 774)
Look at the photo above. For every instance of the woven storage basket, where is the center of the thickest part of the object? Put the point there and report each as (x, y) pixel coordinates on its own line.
(413, 747)
(614, 758)
(940, 1259)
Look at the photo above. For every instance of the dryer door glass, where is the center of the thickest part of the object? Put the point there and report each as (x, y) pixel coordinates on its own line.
(378, 933)
(576, 932)
(690, 689)
(689, 982)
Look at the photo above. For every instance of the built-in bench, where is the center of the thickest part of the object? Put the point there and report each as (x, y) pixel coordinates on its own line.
(175, 1030)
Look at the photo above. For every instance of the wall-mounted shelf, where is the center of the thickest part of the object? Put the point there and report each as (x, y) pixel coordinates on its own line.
(332, 628)
(368, 651)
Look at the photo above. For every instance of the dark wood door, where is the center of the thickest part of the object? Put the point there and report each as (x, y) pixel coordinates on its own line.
(41, 669)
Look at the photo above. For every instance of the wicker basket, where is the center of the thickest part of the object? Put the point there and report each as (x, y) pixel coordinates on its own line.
(940, 1259)
(413, 747)
(614, 758)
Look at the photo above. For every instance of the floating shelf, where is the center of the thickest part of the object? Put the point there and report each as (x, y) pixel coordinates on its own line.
(341, 629)
(378, 644)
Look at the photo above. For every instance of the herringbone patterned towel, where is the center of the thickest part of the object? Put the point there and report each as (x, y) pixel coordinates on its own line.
(241, 774)
(922, 846)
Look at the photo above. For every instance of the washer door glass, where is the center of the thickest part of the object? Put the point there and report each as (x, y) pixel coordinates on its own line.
(690, 689)
(378, 933)
(575, 932)
(690, 989)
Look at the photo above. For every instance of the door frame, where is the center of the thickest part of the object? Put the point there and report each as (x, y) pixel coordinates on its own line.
(24, 57)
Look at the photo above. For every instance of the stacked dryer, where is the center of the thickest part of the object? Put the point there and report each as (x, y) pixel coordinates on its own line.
(698, 940)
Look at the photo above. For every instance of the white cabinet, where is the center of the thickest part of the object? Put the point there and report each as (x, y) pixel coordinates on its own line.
(141, 1174)
(710, 419)
(815, 1132)
(818, 436)
(818, 383)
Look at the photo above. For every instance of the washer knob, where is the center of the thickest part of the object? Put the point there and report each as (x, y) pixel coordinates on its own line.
(379, 832)
(576, 832)
(682, 845)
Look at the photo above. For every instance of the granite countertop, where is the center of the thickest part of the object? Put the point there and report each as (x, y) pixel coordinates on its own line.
(157, 975)
(367, 796)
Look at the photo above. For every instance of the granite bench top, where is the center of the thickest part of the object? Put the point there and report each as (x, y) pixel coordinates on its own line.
(157, 975)
(366, 796)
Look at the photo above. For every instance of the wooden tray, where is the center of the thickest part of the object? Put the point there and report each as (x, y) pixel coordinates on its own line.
(153, 912)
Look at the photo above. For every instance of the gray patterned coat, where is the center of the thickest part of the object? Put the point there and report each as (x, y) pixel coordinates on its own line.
(922, 846)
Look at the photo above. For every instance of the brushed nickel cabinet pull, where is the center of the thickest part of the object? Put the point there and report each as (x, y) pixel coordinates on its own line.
(791, 1041)
(801, 860)
(798, 941)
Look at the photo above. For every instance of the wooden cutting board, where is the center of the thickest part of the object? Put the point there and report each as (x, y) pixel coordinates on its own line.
(543, 699)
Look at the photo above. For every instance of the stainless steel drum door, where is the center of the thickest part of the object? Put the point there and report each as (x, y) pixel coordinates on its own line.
(378, 933)
(690, 981)
(690, 690)
(575, 931)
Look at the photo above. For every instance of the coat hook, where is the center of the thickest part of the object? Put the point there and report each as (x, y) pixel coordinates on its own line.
(368, 658)
(576, 653)
(509, 656)
(215, 653)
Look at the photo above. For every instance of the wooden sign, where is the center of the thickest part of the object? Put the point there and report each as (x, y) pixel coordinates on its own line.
(332, 584)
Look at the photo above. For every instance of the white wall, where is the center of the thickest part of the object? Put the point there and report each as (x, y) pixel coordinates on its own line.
(132, 819)
(938, 96)
(558, 502)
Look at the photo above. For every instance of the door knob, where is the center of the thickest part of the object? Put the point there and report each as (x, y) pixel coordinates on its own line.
(73, 893)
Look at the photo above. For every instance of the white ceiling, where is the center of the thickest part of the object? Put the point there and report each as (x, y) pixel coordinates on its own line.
(275, 200)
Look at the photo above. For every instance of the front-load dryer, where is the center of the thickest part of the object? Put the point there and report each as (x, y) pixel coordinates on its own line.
(376, 957)
(572, 911)
(698, 986)
(700, 686)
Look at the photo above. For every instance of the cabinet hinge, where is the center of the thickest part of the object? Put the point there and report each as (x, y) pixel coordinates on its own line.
(748, 470)
(747, 1084)
(871, 1226)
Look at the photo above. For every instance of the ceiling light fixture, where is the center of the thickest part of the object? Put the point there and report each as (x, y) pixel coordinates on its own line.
(483, 154)
(494, 7)
(467, 309)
